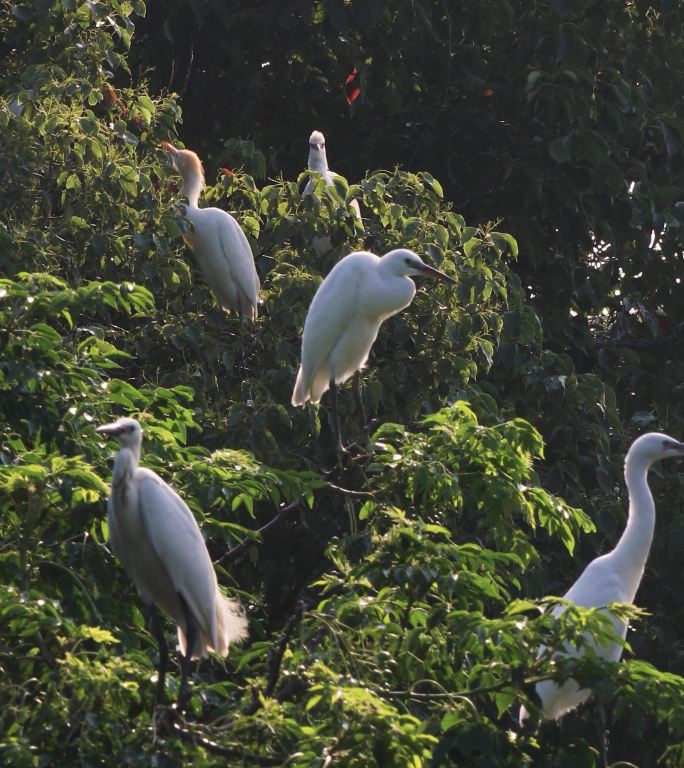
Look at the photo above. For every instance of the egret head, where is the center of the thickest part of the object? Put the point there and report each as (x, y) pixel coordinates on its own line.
(403, 262)
(127, 432)
(654, 446)
(185, 161)
(317, 142)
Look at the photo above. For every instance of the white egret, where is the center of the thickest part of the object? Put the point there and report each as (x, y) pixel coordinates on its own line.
(158, 541)
(345, 315)
(318, 161)
(217, 241)
(615, 576)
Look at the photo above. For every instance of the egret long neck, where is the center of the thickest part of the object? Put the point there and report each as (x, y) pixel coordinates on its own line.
(318, 161)
(193, 184)
(632, 550)
(125, 464)
(394, 292)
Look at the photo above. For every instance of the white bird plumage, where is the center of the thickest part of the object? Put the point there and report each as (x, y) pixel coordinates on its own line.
(157, 540)
(217, 241)
(360, 292)
(318, 162)
(615, 576)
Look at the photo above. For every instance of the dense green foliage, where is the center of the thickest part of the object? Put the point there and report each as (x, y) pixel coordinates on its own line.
(394, 605)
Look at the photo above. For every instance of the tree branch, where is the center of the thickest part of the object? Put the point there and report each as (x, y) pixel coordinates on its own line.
(252, 759)
(275, 659)
(348, 492)
(238, 549)
(276, 654)
(643, 344)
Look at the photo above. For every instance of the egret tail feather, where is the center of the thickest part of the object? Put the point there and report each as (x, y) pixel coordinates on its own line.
(231, 625)
(299, 395)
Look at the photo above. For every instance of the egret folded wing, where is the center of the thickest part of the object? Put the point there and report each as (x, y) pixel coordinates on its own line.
(177, 540)
(240, 260)
(329, 319)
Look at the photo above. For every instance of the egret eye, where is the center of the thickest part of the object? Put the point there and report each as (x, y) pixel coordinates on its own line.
(408, 262)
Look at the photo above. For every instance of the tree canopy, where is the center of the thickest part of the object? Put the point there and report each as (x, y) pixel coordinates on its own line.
(531, 151)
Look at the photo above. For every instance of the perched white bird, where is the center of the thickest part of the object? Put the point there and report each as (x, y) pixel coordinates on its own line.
(217, 241)
(615, 576)
(158, 541)
(318, 161)
(345, 315)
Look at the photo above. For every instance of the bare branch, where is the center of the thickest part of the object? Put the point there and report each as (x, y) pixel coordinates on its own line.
(276, 653)
(348, 492)
(250, 757)
(238, 549)
(662, 342)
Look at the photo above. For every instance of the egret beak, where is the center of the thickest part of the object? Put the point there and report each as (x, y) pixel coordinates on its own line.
(432, 272)
(169, 148)
(172, 154)
(318, 147)
(112, 429)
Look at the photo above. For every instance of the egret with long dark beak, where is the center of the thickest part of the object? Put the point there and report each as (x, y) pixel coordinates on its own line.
(345, 316)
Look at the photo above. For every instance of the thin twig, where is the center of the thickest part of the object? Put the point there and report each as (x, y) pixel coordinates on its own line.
(411, 694)
(630, 343)
(275, 660)
(636, 344)
(76, 578)
(212, 746)
(238, 549)
(349, 492)
(276, 654)
(188, 69)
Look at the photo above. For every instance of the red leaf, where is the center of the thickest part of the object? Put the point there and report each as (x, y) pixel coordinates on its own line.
(352, 86)
(488, 92)
(226, 171)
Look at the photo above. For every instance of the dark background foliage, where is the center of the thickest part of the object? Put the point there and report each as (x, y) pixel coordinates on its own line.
(533, 151)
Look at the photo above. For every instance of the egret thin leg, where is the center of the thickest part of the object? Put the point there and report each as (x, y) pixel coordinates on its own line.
(357, 392)
(336, 416)
(157, 631)
(603, 735)
(241, 354)
(186, 659)
(358, 399)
